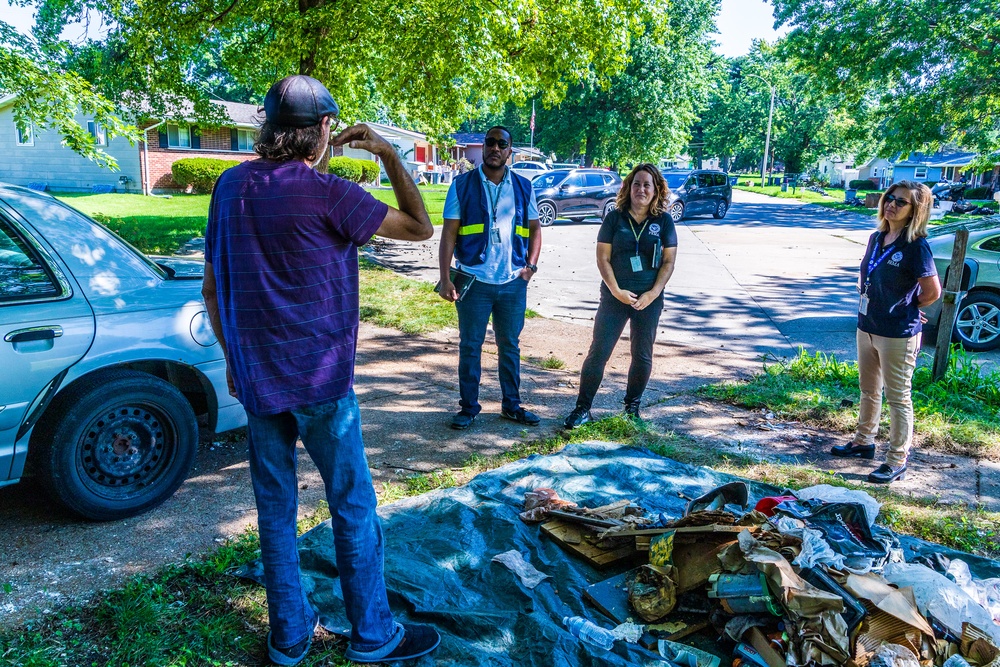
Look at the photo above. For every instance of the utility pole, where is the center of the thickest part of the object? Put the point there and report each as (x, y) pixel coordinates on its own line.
(770, 117)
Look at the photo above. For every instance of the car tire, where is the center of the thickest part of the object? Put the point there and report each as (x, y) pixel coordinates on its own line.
(978, 325)
(117, 444)
(608, 208)
(677, 211)
(546, 214)
(721, 209)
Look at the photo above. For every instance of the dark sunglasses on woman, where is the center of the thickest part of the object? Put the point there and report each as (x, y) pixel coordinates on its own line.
(898, 201)
(499, 143)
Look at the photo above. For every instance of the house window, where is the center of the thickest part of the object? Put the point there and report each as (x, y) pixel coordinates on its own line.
(178, 137)
(920, 173)
(98, 132)
(245, 142)
(25, 135)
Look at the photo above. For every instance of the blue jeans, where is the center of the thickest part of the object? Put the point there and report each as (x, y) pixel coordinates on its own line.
(331, 433)
(506, 303)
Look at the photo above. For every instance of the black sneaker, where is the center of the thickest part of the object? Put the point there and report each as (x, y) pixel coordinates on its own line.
(885, 473)
(462, 421)
(577, 418)
(521, 416)
(292, 655)
(632, 410)
(851, 450)
(417, 640)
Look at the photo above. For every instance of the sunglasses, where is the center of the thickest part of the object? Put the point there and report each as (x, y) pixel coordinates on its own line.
(898, 201)
(499, 143)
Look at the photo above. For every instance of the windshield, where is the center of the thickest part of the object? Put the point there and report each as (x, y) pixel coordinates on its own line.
(550, 179)
(675, 181)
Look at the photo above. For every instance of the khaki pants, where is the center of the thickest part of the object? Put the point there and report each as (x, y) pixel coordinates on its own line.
(886, 363)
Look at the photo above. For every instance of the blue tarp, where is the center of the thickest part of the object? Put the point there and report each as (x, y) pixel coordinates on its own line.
(439, 548)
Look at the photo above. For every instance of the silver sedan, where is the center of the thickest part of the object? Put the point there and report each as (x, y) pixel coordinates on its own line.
(978, 325)
(107, 362)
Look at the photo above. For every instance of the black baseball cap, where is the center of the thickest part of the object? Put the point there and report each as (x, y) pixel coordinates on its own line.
(298, 101)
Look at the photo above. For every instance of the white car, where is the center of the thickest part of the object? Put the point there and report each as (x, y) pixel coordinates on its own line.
(529, 169)
(107, 362)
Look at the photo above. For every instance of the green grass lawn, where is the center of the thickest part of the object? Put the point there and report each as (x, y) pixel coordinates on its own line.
(161, 225)
(959, 414)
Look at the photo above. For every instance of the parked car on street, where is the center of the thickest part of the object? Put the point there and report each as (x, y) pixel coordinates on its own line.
(108, 361)
(529, 169)
(698, 192)
(575, 194)
(978, 325)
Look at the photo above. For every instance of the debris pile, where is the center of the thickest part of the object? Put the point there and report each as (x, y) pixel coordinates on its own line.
(798, 579)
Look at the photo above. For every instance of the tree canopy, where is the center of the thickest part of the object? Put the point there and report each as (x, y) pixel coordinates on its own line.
(921, 73)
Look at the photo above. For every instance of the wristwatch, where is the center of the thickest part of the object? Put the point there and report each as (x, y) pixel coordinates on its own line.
(533, 267)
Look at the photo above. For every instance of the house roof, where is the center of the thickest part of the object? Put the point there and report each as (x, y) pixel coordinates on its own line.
(390, 131)
(469, 138)
(943, 158)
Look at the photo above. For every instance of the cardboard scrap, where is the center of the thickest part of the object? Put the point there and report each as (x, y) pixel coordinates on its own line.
(581, 541)
(978, 648)
(892, 601)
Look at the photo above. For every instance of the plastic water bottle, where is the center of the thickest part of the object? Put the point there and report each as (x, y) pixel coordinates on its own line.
(589, 632)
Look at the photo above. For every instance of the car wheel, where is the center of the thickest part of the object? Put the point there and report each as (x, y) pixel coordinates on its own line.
(118, 444)
(721, 209)
(677, 211)
(546, 214)
(608, 207)
(978, 324)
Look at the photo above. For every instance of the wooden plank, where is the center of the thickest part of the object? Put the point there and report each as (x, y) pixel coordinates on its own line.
(580, 541)
(949, 303)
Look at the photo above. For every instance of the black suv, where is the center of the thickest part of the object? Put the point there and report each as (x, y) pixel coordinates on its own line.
(697, 192)
(575, 194)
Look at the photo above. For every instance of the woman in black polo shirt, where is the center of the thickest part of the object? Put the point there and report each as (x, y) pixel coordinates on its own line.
(898, 278)
(636, 247)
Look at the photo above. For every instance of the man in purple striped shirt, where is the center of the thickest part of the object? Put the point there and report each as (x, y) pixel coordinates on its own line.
(281, 290)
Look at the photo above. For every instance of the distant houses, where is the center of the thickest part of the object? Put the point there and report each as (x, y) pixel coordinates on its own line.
(37, 157)
(949, 163)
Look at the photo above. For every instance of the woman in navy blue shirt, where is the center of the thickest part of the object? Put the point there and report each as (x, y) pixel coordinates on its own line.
(636, 248)
(897, 278)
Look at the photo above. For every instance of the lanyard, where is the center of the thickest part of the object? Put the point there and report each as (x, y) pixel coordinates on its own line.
(495, 203)
(874, 263)
(641, 230)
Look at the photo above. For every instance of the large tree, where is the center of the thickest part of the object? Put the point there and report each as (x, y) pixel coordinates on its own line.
(422, 60)
(646, 111)
(808, 122)
(921, 72)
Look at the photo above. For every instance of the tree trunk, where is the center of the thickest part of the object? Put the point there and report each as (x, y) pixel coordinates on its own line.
(591, 146)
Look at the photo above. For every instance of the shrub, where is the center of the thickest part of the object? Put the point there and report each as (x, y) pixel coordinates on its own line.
(200, 173)
(369, 171)
(978, 193)
(862, 184)
(347, 168)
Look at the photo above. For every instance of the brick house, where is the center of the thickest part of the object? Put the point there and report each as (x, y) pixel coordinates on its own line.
(38, 157)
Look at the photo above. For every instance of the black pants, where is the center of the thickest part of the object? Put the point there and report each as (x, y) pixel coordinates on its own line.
(609, 323)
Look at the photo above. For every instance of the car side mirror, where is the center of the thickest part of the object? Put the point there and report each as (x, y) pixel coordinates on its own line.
(565, 186)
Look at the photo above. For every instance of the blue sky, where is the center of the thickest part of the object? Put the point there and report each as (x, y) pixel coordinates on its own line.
(740, 22)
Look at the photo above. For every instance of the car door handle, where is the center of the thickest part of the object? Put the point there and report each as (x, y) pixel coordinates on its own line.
(34, 333)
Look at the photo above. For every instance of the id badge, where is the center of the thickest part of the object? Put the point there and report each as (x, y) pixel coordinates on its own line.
(863, 304)
(636, 264)
(495, 235)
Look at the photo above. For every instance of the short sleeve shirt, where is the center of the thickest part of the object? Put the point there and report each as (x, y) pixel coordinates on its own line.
(498, 267)
(620, 231)
(283, 241)
(892, 287)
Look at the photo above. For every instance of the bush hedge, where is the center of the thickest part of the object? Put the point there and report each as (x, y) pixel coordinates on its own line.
(862, 184)
(200, 173)
(359, 171)
(369, 171)
(977, 193)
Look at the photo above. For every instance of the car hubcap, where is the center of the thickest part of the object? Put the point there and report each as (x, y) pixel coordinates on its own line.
(124, 450)
(722, 208)
(546, 214)
(676, 212)
(979, 323)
